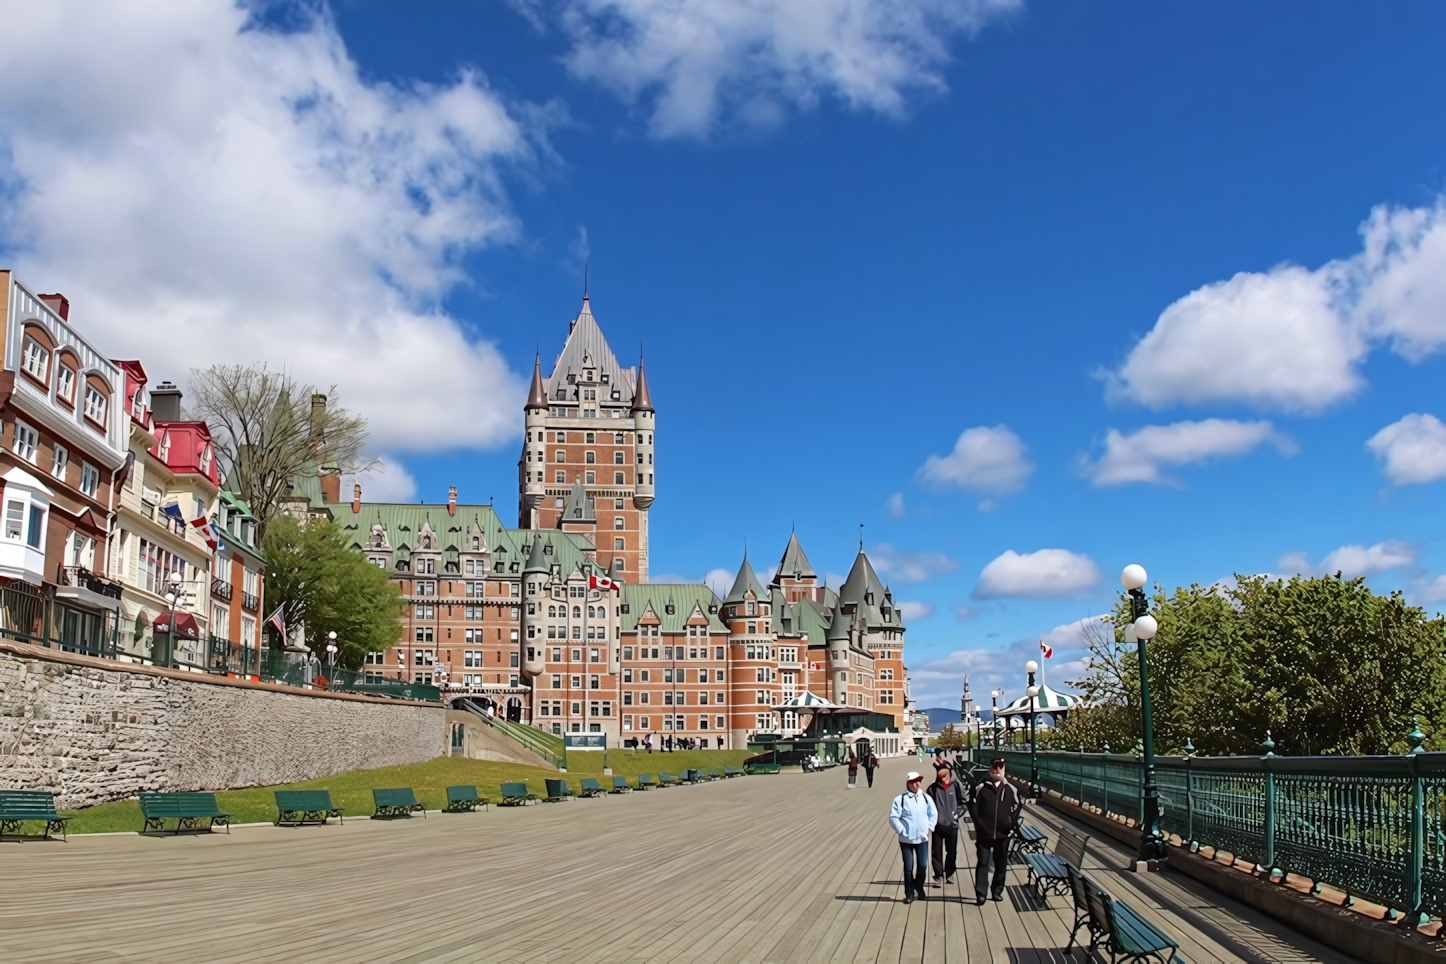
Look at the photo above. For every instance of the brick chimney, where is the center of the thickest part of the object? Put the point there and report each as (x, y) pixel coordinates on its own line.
(452, 500)
(330, 487)
(59, 304)
(166, 403)
(356, 497)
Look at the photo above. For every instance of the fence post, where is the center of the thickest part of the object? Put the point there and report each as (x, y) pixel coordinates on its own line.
(1416, 859)
(1105, 777)
(1139, 754)
(1268, 745)
(1189, 796)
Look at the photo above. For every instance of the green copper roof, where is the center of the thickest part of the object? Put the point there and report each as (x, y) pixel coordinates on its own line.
(402, 523)
(866, 590)
(579, 507)
(794, 562)
(684, 598)
(746, 580)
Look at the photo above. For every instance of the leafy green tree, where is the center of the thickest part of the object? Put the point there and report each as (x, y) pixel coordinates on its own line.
(328, 587)
(950, 738)
(1324, 664)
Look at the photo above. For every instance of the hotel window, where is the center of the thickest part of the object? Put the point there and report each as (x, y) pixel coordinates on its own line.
(617, 503)
(248, 631)
(617, 478)
(89, 479)
(591, 478)
(590, 439)
(591, 458)
(35, 359)
(14, 520)
(617, 458)
(561, 456)
(65, 383)
(94, 405)
(618, 543)
(718, 698)
(26, 441)
(556, 681)
(560, 478)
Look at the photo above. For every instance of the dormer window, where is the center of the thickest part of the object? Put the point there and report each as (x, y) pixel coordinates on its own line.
(572, 379)
(35, 359)
(138, 405)
(65, 383)
(163, 451)
(94, 405)
(868, 599)
(604, 378)
(476, 543)
(206, 457)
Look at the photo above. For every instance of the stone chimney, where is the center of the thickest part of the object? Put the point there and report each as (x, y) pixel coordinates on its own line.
(166, 403)
(58, 303)
(356, 497)
(318, 414)
(452, 500)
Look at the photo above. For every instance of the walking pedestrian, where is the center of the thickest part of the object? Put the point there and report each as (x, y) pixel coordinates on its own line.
(871, 763)
(950, 800)
(648, 742)
(853, 770)
(994, 806)
(912, 815)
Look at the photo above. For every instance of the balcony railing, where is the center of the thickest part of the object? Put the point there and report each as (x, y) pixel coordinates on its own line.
(249, 602)
(221, 589)
(85, 579)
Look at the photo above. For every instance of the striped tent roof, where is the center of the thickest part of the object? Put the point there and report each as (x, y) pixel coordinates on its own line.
(807, 701)
(1048, 701)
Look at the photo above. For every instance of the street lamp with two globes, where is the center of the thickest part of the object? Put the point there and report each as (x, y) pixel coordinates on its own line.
(1141, 630)
(1032, 691)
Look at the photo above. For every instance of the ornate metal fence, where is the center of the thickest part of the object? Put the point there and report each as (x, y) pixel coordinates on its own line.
(1374, 827)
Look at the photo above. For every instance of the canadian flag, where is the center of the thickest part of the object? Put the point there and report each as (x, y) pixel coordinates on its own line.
(1048, 651)
(601, 582)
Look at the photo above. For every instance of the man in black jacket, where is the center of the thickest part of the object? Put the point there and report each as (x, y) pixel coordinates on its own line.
(994, 806)
(949, 798)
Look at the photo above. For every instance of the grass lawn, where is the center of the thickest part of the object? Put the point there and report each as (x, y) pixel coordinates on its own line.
(352, 791)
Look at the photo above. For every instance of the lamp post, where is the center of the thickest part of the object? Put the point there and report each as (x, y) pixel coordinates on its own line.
(173, 595)
(994, 716)
(1144, 626)
(331, 652)
(1032, 691)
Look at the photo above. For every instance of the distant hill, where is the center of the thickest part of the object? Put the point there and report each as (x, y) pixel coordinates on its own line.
(939, 715)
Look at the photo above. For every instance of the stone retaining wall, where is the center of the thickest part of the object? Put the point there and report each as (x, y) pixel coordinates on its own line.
(93, 730)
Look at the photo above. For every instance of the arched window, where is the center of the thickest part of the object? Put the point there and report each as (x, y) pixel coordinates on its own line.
(576, 612)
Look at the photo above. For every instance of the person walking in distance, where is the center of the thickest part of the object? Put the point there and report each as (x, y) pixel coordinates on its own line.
(912, 815)
(949, 799)
(853, 770)
(994, 806)
(871, 763)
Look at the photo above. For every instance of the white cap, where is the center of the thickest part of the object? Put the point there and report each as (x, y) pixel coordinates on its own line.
(911, 776)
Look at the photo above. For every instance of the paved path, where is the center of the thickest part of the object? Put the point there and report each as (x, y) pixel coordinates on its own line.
(785, 868)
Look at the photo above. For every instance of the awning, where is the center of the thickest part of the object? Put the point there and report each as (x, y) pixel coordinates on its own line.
(1048, 701)
(807, 701)
(186, 627)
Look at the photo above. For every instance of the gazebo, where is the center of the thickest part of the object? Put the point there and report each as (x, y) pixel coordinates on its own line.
(1048, 703)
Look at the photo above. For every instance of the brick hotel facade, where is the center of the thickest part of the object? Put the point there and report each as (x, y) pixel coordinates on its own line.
(523, 616)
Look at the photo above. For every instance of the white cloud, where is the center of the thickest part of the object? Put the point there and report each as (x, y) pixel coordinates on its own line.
(1141, 455)
(896, 505)
(695, 64)
(1291, 338)
(1045, 574)
(910, 566)
(913, 611)
(984, 460)
(1430, 590)
(385, 481)
(965, 613)
(1351, 561)
(1413, 450)
(207, 191)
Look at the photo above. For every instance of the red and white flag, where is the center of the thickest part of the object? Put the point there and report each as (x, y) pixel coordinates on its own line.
(1048, 651)
(602, 582)
(277, 619)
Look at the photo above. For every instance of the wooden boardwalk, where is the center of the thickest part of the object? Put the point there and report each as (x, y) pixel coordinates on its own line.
(785, 868)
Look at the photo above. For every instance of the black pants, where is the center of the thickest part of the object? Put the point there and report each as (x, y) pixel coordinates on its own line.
(869, 772)
(945, 847)
(915, 856)
(995, 852)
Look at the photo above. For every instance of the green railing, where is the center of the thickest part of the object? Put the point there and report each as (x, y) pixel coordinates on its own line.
(34, 616)
(1373, 826)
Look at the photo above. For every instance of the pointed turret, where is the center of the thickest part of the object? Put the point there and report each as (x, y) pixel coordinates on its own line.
(795, 563)
(642, 401)
(746, 580)
(536, 558)
(579, 509)
(537, 395)
(864, 589)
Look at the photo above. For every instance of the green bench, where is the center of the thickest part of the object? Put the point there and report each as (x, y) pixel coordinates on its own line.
(646, 781)
(558, 790)
(187, 809)
(296, 808)
(591, 788)
(666, 779)
(620, 785)
(516, 794)
(396, 802)
(730, 772)
(1050, 872)
(1026, 840)
(755, 768)
(1128, 935)
(693, 776)
(712, 774)
(463, 799)
(17, 806)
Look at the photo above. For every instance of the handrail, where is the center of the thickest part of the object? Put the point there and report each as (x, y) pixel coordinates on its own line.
(1372, 826)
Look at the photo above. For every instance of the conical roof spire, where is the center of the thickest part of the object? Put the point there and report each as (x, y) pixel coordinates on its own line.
(746, 580)
(537, 397)
(642, 401)
(794, 562)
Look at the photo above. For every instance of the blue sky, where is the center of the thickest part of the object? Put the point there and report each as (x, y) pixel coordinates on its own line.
(909, 268)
